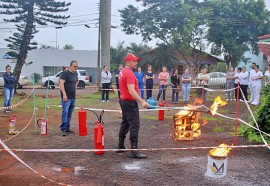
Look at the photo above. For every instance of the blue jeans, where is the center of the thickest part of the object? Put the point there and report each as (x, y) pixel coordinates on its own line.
(67, 109)
(162, 88)
(9, 92)
(186, 91)
(174, 92)
(141, 87)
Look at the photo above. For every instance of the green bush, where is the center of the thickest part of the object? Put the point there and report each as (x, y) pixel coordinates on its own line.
(37, 77)
(262, 116)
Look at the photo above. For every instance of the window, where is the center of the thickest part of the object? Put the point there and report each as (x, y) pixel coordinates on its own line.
(222, 75)
(214, 75)
(1, 74)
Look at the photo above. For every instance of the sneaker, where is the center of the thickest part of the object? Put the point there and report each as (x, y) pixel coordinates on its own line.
(120, 150)
(64, 133)
(103, 101)
(234, 99)
(137, 154)
(108, 101)
(70, 132)
(227, 99)
(8, 110)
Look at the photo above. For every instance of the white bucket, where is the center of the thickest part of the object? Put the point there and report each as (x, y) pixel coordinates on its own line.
(216, 167)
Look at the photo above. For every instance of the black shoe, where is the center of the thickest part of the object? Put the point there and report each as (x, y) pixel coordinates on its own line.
(70, 132)
(137, 154)
(121, 151)
(64, 133)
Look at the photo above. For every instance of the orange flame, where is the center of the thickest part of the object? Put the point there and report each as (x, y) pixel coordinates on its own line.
(220, 152)
(217, 103)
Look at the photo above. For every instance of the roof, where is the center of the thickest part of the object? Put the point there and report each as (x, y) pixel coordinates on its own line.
(265, 48)
(264, 36)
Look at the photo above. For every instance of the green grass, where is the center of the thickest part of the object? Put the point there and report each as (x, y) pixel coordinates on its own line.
(218, 129)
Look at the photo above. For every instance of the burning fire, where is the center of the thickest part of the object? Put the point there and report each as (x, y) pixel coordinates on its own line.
(217, 103)
(221, 151)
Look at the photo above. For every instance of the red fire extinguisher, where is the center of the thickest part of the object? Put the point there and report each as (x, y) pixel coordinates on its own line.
(163, 103)
(82, 122)
(43, 126)
(99, 138)
(161, 112)
(99, 134)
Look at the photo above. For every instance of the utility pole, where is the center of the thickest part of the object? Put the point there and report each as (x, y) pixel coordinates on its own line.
(105, 31)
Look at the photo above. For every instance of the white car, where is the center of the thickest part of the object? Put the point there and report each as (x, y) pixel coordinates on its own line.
(22, 82)
(217, 79)
(53, 81)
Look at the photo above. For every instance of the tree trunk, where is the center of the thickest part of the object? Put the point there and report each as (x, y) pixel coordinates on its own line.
(25, 42)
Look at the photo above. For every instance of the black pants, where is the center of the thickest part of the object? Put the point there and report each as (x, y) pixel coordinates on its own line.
(244, 89)
(202, 93)
(105, 86)
(235, 92)
(118, 90)
(130, 121)
(149, 87)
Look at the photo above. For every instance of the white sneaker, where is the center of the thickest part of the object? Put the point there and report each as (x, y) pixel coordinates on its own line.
(227, 99)
(103, 101)
(108, 101)
(234, 99)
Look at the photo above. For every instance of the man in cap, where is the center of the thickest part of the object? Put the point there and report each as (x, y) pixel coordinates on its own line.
(129, 96)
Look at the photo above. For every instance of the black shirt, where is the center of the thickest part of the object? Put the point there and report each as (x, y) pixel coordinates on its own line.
(175, 80)
(70, 83)
(150, 74)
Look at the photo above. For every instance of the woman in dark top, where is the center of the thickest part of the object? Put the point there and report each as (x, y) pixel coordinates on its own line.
(175, 83)
(9, 80)
(149, 76)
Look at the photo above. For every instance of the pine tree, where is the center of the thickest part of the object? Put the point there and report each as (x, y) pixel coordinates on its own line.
(27, 15)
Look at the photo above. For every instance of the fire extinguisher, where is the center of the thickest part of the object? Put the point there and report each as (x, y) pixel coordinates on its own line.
(43, 126)
(163, 103)
(82, 122)
(161, 112)
(99, 134)
(12, 125)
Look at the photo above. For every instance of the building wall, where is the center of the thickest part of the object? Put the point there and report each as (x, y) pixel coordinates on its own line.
(258, 59)
(56, 59)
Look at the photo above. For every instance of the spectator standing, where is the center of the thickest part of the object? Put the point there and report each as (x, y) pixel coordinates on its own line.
(186, 85)
(106, 83)
(117, 72)
(230, 83)
(140, 75)
(68, 83)
(175, 79)
(163, 78)
(250, 82)
(267, 76)
(129, 95)
(149, 76)
(236, 80)
(256, 85)
(9, 82)
(203, 81)
(244, 80)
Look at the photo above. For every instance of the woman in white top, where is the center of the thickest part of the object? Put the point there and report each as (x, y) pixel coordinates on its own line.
(106, 83)
(236, 80)
(243, 78)
(267, 76)
(256, 85)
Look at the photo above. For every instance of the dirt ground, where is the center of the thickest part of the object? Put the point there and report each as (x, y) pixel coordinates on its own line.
(185, 167)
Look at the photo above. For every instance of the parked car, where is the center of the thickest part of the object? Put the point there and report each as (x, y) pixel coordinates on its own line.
(22, 81)
(54, 80)
(217, 79)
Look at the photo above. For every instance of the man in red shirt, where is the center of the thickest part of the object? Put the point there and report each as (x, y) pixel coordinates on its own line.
(129, 95)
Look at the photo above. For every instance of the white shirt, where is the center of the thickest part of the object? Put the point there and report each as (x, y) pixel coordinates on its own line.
(257, 82)
(236, 75)
(267, 74)
(243, 78)
(250, 75)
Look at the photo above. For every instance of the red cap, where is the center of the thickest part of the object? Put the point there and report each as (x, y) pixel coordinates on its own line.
(131, 57)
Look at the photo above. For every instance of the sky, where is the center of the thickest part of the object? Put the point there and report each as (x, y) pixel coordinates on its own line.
(75, 33)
